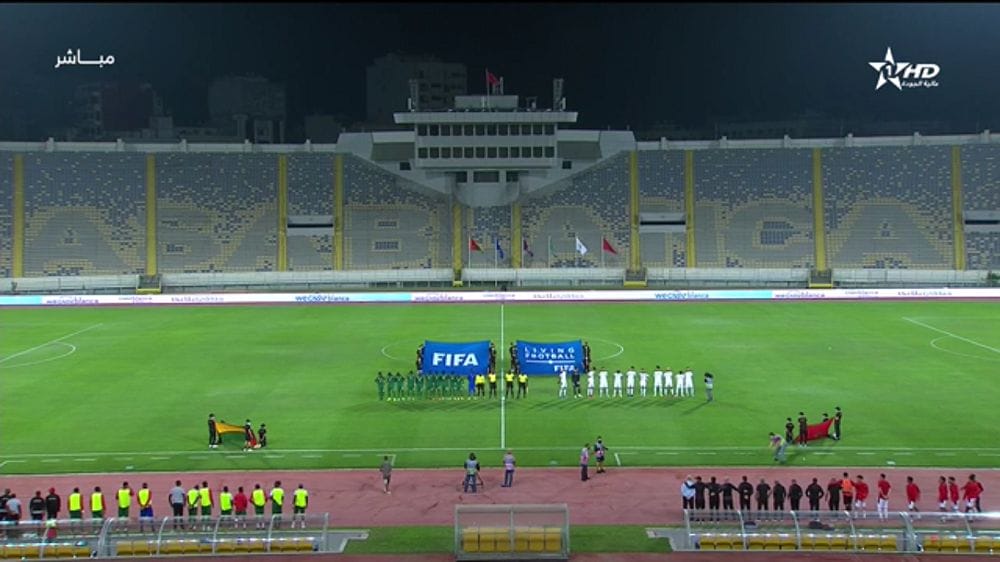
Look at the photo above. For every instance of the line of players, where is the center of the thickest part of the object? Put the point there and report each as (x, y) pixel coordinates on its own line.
(665, 383)
(394, 387)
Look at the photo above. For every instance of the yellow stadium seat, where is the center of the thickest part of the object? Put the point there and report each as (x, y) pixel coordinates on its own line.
(82, 551)
(787, 542)
(487, 539)
(204, 547)
(821, 542)
(501, 536)
(839, 542)
(964, 544)
(470, 539)
(521, 539)
(726, 542)
(124, 548)
(706, 541)
(225, 546)
(280, 544)
(172, 547)
(870, 542)
(986, 544)
(256, 545)
(303, 544)
(536, 539)
(553, 539)
(60, 551)
(31, 551)
(949, 543)
(888, 543)
(756, 542)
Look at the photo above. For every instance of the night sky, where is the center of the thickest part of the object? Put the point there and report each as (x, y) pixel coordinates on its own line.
(624, 64)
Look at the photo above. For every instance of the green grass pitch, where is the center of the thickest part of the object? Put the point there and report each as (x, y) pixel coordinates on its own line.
(88, 389)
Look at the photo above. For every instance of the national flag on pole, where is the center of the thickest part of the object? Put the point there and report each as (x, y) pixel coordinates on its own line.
(607, 247)
(499, 249)
(474, 246)
(527, 250)
(580, 247)
(491, 79)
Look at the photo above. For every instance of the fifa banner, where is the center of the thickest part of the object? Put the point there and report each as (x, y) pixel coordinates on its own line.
(456, 358)
(549, 358)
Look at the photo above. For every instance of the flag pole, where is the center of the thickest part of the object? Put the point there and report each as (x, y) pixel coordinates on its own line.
(548, 253)
(602, 251)
(496, 252)
(468, 249)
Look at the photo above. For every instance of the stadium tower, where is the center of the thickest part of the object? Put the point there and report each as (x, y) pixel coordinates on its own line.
(488, 150)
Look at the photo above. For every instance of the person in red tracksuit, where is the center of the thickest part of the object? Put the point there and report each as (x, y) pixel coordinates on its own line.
(942, 494)
(953, 493)
(972, 491)
(861, 494)
(912, 494)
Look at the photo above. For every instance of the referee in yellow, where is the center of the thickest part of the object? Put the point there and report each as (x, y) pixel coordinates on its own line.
(124, 500)
(97, 504)
(300, 500)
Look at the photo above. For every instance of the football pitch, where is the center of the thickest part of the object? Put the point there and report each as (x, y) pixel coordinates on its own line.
(112, 389)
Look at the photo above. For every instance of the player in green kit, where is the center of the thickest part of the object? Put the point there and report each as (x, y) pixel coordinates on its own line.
(420, 386)
(380, 381)
(411, 385)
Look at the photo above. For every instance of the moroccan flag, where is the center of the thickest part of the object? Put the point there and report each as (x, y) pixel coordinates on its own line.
(607, 247)
(524, 246)
(818, 430)
(491, 79)
(474, 246)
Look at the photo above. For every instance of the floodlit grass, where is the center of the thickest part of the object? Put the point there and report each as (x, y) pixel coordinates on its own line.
(917, 382)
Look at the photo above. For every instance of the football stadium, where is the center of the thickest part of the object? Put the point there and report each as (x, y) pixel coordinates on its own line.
(663, 334)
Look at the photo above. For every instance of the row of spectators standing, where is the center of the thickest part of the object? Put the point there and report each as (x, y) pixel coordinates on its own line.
(199, 500)
(840, 492)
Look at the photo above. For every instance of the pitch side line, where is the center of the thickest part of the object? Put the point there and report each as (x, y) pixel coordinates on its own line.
(947, 333)
(57, 340)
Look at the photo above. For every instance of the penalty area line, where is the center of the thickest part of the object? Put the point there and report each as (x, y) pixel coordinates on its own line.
(50, 342)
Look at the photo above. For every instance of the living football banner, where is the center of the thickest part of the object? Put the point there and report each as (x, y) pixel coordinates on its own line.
(549, 358)
(468, 358)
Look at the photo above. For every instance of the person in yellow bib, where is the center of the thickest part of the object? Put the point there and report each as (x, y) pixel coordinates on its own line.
(300, 500)
(492, 379)
(193, 495)
(259, 501)
(75, 504)
(522, 385)
(97, 504)
(225, 502)
(480, 385)
(124, 500)
(205, 501)
(508, 384)
(277, 502)
(145, 499)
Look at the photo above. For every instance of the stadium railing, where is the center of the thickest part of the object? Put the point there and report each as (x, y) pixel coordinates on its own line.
(512, 532)
(90, 538)
(898, 532)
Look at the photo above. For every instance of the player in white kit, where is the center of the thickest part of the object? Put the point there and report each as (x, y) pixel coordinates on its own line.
(643, 382)
(602, 383)
(590, 384)
(679, 383)
(657, 381)
(668, 382)
(618, 384)
(562, 384)
(630, 382)
(688, 382)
